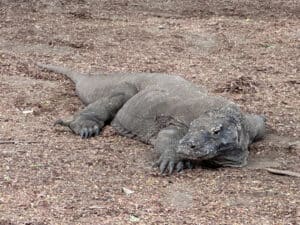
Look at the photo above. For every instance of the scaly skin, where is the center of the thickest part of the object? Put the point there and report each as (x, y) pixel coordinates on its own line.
(180, 119)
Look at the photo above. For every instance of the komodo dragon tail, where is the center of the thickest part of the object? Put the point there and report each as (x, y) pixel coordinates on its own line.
(74, 76)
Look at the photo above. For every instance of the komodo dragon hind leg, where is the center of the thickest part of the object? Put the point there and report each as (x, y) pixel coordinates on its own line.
(93, 118)
(166, 144)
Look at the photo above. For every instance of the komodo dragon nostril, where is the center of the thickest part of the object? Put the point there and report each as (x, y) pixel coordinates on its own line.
(192, 146)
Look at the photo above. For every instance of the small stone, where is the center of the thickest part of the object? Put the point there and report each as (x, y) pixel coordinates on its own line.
(30, 111)
(134, 218)
(127, 191)
(294, 145)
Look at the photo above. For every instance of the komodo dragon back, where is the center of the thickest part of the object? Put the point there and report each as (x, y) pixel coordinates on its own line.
(74, 76)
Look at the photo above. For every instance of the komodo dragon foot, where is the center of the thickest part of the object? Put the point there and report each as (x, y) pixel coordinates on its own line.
(82, 126)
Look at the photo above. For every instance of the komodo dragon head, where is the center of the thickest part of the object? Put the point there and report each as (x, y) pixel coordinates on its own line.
(211, 135)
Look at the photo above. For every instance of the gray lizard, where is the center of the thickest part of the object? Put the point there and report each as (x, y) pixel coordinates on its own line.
(180, 119)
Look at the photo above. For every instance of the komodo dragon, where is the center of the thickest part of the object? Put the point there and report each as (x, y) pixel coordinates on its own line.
(181, 120)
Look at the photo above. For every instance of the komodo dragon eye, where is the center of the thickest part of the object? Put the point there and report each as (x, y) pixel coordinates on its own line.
(216, 130)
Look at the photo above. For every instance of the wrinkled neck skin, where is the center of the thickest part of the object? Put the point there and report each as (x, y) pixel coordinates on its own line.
(237, 156)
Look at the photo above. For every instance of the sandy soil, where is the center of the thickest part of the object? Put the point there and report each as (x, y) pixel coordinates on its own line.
(248, 51)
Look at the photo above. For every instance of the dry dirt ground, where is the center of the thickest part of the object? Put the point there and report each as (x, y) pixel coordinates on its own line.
(248, 51)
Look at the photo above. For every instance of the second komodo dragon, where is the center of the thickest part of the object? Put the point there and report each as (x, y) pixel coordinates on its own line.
(180, 119)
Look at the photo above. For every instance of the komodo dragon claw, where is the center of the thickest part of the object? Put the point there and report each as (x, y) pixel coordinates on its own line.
(167, 166)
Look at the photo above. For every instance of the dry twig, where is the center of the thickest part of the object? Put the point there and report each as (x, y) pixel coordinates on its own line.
(18, 142)
(283, 172)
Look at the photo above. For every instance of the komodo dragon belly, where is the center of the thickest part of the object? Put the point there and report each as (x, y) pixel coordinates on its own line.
(146, 113)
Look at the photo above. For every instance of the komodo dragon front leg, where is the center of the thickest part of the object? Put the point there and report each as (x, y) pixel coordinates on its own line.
(166, 145)
(93, 118)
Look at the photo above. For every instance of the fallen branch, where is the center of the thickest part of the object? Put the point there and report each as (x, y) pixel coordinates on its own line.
(283, 172)
(18, 142)
(37, 142)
